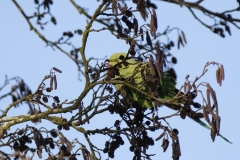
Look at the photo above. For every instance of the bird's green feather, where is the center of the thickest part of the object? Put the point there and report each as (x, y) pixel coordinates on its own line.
(166, 91)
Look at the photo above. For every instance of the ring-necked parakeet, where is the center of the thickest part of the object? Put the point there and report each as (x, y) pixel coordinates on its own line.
(149, 80)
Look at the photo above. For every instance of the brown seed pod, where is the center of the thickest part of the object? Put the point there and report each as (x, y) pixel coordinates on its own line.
(189, 86)
(114, 7)
(135, 23)
(218, 78)
(180, 41)
(159, 70)
(155, 18)
(215, 103)
(208, 97)
(213, 130)
(55, 81)
(148, 39)
(141, 8)
(184, 37)
(57, 70)
(161, 135)
(119, 7)
(47, 76)
(152, 27)
(165, 146)
(51, 83)
(222, 72)
(87, 118)
(185, 87)
(153, 70)
(141, 32)
(205, 114)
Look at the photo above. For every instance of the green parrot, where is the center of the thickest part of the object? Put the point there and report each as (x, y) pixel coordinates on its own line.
(149, 80)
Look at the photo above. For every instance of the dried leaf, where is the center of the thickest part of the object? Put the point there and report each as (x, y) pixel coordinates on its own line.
(57, 70)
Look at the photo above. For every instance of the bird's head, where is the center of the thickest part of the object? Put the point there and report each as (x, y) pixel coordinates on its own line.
(115, 58)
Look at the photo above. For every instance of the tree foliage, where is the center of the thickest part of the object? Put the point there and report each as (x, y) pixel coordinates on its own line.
(134, 124)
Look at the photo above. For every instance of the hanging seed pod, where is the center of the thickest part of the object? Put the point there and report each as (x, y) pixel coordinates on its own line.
(216, 104)
(227, 28)
(135, 23)
(153, 70)
(184, 37)
(161, 135)
(141, 33)
(155, 18)
(218, 76)
(185, 87)
(165, 146)
(180, 42)
(213, 130)
(205, 114)
(55, 81)
(57, 70)
(152, 27)
(208, 97)
(222, 72)
(159, 70)
(51, 83)
(148, 39)
(114, 7)
(141, 8)
(189, 86)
